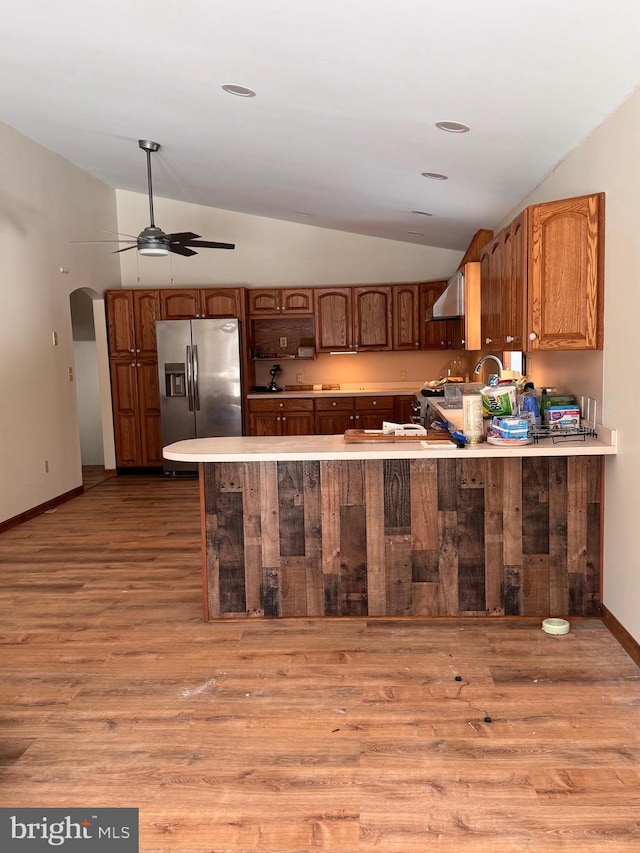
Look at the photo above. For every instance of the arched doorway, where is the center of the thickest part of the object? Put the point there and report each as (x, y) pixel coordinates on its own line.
(93, 389)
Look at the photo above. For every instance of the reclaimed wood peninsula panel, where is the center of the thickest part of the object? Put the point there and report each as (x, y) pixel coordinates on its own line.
(404, 537)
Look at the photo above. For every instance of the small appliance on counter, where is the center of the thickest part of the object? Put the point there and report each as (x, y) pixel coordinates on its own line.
(276, 370)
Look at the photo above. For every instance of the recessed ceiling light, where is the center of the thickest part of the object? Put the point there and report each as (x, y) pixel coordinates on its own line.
(435, 176)
(240, 91)
(422, 212)
(452, 126)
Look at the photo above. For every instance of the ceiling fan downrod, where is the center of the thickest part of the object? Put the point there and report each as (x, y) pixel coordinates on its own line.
(148, 146)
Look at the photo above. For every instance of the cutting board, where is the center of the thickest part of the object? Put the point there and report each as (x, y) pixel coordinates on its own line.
(364, 435)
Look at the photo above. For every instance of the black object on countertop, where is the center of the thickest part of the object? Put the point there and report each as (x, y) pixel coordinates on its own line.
(428, 392)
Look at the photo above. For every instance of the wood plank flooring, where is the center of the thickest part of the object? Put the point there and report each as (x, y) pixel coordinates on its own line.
(295, 736)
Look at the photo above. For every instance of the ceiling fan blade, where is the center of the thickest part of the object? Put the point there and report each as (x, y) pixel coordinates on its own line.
(177, 249)
(182, 236)
(103, 241)
(207, 244)
(127, 249)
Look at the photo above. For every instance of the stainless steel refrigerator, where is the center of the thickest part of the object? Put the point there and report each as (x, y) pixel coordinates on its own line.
(199, 376)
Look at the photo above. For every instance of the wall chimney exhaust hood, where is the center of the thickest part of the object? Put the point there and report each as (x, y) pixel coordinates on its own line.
(450, 304)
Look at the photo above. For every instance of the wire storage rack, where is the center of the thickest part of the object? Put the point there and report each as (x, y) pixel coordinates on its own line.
(586, 428)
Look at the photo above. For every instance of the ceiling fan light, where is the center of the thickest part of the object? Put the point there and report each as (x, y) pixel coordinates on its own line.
(153, 251)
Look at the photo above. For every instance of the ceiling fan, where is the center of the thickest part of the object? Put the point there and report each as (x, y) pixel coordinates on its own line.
(152, 240)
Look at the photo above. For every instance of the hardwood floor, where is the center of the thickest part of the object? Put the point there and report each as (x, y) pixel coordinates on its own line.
(292, 736)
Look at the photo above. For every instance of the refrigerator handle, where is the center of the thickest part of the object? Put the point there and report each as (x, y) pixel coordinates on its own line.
(196, 390)
(189, 364)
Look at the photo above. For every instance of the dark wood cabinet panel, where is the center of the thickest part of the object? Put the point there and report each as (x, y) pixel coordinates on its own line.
(435, 334)
(136, 413)
(372, 318)
(406, 317)
(333, 313)
(131, 322)
(179, 304)
(272, 301)
(222, 302)
(281, 417)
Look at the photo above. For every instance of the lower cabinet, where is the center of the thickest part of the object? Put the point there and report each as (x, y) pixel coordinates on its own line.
(324, 415)
(136, 412)
(281, 417)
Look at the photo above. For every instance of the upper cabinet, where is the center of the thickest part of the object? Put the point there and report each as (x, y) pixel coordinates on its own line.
(566, 274)
(333, 313)
(279, 302)
(353, 319)
(191, 303)
(372, 313)
(131, 322)
(542, 278)
(406, 317)
(436, 334)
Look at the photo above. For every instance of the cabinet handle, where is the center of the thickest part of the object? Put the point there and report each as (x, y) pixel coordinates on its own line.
(510, 339)
(417, 344)
(350, 417)
(488, 340)
(374, 403)
(442, 343)
(333, 404)
(137, 350)
(131, 350)
(281, 405)
(532, 336)
(357, 418)
(463, 342)
(283, 418)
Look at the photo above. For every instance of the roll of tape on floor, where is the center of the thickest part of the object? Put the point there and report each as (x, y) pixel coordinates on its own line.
(555, 626)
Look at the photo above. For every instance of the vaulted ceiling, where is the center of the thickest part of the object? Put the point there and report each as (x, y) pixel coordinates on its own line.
(347, 97)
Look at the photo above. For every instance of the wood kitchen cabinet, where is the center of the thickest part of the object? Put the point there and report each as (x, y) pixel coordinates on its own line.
(435, 334)
(504, 272)
(281, 417)
(195, 302)
(406, 317)
(542, 278)
(277, 302)
(131, 330)
(136, 412)
(334, 415)
(370, 412)
(131, 322)
(565, 282)
(372, 318)
(333, 317)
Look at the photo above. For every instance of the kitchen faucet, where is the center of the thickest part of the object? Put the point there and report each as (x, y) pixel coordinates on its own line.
(495, 358)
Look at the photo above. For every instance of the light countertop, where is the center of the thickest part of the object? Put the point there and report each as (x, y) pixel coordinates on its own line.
(334, 447)
(388, 389)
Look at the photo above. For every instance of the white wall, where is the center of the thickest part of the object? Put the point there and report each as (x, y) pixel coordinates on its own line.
(269, 252)
(45, 202)
(609, 161)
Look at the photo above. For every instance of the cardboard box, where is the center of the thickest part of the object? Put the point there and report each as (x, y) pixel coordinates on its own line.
(562, 417)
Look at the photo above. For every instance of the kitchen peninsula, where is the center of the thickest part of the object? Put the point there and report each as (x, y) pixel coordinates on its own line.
(315, 526)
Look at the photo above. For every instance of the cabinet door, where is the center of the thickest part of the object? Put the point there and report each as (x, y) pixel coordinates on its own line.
(126, 423)
(565, 281)
(371, 411)
(221, 302)
(333, 319)
(149, 413)
(491, 295)
(434, 333)
(299, 301)
(120, 323)
(264, 423)
(178, 304)
(146, 310)
(514, 283)
(372, 310)
(334, 415)
(297, 423)
(406, 317)
(404, 410)
(264, 302)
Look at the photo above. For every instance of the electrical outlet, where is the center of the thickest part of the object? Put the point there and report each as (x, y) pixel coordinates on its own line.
(299, 378)
(403, 375)
(71, 374)
(46, 466)
(283, 343)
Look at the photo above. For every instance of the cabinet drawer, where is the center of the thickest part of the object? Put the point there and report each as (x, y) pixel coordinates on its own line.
(299, 405)
(334, 404)
(368, 403)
